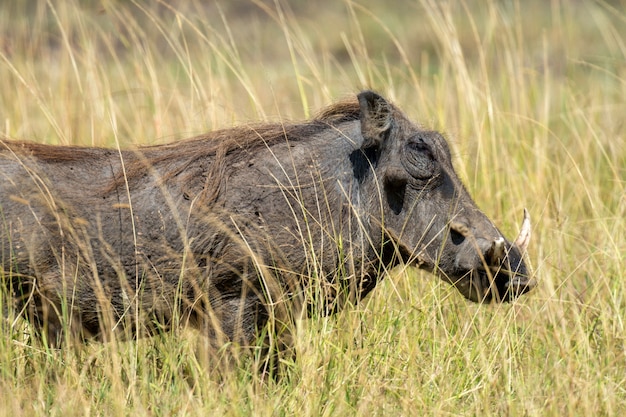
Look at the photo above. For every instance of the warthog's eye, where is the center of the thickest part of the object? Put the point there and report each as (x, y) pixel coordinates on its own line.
(420, 159)
(418, 144)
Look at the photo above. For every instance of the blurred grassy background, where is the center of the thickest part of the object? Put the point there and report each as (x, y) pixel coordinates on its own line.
(531, 95)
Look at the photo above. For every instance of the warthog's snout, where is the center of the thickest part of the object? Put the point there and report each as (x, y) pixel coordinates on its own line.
(491, 268)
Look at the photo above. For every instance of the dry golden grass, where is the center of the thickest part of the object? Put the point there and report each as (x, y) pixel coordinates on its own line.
(532, 97)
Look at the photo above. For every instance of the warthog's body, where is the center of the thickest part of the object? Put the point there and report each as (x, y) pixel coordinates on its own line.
(222, 229)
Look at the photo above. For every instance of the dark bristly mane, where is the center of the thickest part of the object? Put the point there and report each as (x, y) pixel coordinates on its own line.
(226, 146)
(202, 161)
(222, 141)
(251, 136)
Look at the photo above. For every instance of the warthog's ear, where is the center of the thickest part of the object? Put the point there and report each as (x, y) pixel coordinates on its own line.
(375, 118)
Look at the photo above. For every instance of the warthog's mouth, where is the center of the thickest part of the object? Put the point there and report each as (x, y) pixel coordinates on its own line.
(502, 283)
(498, 285)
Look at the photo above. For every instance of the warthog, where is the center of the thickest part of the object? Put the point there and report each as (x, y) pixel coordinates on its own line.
(223, 230)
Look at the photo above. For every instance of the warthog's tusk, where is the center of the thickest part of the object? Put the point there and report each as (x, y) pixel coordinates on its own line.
(497, 251)
(524, 234)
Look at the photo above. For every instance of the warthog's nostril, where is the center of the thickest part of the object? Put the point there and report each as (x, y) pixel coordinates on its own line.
(458, 233)
(456, 237)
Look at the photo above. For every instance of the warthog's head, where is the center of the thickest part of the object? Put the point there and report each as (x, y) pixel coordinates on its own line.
(429, 217)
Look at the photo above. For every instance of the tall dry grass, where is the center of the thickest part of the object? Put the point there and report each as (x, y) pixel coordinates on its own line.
(531, 97)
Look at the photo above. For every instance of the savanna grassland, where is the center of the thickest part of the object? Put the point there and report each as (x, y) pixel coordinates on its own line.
(532, 97)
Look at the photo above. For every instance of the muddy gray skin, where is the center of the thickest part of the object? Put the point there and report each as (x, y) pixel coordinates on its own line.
(229, 230)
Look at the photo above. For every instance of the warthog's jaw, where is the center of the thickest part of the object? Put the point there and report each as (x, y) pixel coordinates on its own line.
(498, 284)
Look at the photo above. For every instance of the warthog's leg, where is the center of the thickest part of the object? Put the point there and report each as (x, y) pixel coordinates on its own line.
(248, 320)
